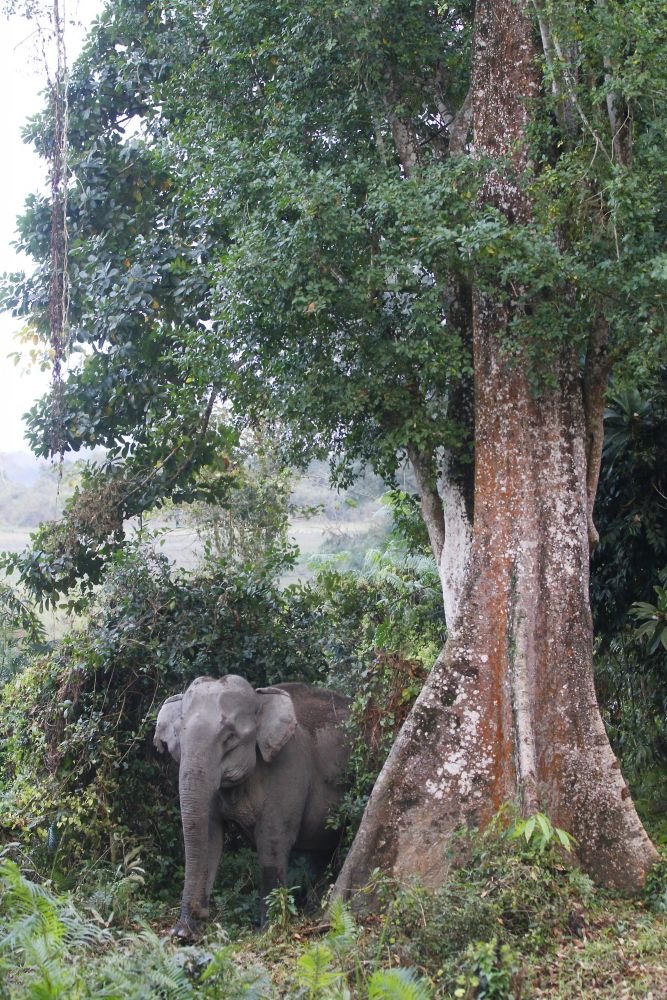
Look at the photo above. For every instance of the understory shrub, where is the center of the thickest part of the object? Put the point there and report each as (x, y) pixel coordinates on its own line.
(510, 897)
(50, 950)
(22, 634)
(384, 627)
(628, 579)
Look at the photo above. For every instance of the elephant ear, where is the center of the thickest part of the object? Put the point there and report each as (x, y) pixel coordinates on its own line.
(276, 721)
(168, 727)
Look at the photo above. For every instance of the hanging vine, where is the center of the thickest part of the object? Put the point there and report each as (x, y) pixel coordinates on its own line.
(58, 252)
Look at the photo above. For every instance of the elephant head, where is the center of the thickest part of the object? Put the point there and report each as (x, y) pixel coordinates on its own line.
(216, 728)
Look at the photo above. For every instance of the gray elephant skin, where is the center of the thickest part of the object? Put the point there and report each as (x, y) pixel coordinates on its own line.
(272, 760)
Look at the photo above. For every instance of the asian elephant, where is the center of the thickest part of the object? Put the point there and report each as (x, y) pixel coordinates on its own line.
(272, 760)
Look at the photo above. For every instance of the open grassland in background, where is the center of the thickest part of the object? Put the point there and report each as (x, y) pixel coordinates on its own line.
(323, 521)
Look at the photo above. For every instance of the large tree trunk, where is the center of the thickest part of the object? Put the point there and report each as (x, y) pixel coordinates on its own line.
(509, 712)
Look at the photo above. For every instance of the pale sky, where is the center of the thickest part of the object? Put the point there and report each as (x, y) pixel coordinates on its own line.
(22, 79)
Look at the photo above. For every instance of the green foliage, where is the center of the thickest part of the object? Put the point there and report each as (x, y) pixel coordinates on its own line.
(281, 907)
(194, 279)
(539, 833)
(114, 899)
(655, 890)
(627, 566)
(631, 692)
(392, 606)
(652, 620)
(502, 898)
(492, 969)
(49, 950)
(72, 553)
(397, 984)
(382, 629)
(408, 526)
(224, 978)
(318, 978)
(253, 236)
(421, 945)
(236, 892)
(630, 510)
(148, 968)
(22, 634)
(37, 932)
(326, 969)
(251, 527)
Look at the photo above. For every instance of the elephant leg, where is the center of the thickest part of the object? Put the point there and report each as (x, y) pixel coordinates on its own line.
(274, 842)
(192, 914)
(273, 873)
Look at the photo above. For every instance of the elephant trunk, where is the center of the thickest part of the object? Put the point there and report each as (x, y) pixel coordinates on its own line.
(197, 799)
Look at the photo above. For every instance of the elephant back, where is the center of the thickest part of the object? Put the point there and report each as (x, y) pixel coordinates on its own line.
(323, 715)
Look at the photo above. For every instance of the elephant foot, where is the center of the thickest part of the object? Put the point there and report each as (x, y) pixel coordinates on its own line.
(186, 930)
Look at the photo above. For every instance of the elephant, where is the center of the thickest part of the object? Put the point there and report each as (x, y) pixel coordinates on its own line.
(272, 760)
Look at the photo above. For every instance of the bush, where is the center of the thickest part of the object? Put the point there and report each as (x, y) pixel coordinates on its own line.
(22, 634)
(627, 567)
(48, 949)
(510, 896)
(382, 629)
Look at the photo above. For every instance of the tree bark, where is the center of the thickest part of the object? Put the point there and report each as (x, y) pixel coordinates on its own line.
(431, 505)
(509, 711)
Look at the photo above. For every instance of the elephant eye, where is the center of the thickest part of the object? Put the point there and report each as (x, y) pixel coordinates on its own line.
(229, 739)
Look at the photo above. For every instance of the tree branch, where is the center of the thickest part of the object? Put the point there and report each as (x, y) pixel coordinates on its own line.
(596, 376)
(460, 126)
(431, 504)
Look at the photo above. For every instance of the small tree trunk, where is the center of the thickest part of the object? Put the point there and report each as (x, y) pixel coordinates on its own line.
(444, 512)
(596, 377)
(509, 711)
(455, 552)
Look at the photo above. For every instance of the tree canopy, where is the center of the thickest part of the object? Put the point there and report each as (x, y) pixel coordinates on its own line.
(272, 205)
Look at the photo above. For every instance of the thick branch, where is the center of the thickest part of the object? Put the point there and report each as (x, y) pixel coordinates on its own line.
(619, 121)
(460, 126)
(405, 143)
(404, 134)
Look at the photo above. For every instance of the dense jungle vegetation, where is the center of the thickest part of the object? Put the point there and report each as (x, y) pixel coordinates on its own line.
(251, 285)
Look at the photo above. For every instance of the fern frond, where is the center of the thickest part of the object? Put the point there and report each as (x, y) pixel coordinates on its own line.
(343, 933)
(148, 970)
(315, 971)
(397, 984)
